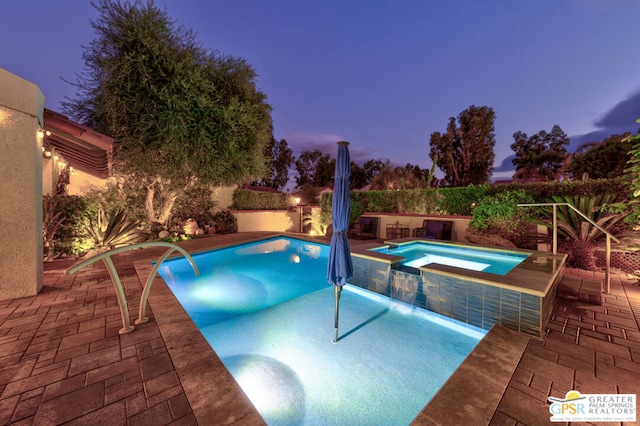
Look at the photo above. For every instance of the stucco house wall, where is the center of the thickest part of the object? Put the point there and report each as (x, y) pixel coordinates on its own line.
(21, 251)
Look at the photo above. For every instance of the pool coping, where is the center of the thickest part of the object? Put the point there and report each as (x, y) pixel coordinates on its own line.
(216, 398)
(473, 392)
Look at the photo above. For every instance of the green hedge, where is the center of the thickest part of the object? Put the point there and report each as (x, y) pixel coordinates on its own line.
(246, 199)
(461, 201)
(544, 191)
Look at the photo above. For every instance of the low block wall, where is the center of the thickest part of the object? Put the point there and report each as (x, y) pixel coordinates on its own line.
(460, 223)
(267, 220)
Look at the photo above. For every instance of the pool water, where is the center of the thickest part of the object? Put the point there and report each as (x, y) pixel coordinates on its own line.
(390, 359)
(246, 278)
(492, 261)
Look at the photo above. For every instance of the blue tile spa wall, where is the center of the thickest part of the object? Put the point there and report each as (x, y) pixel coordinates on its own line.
(480, 304)
(371, 274)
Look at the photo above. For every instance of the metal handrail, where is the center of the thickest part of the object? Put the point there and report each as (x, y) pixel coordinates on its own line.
(606, 286)
(122, 301)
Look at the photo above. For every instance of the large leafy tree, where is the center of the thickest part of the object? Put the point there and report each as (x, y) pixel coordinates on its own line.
(180, 114)
(464, 152)
(281, 159)
(358, 178)
(541, 157)
(372, 168)
(314, 169)
(606, 159)
(399, 177)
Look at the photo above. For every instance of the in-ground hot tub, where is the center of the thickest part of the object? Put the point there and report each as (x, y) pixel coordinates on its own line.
(519, 296)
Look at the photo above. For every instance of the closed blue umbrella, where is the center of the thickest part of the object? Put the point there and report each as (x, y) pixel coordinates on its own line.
(340, 268)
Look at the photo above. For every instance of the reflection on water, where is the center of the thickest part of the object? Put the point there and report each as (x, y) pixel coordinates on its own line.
(265, 247)
(310, 250)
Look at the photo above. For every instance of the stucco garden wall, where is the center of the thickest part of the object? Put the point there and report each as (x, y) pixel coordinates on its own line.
(21, 255)
(267, 220)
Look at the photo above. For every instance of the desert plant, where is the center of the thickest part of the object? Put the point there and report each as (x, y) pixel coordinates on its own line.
(225, 222)
(112, 230)
(117, 193)
(581, 235)
(575, 227)
(318, 220)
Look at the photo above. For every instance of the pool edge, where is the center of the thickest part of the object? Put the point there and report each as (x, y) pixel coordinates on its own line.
(473, 392)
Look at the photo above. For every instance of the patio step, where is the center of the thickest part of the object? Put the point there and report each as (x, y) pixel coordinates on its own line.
(581, 289)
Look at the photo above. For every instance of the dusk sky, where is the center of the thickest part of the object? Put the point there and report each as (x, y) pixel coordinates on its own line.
(384, 75)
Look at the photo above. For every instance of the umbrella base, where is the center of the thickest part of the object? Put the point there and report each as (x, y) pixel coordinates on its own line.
(336, 292)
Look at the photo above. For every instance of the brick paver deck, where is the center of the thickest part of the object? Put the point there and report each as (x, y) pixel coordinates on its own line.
(588, 348)
(62, 360)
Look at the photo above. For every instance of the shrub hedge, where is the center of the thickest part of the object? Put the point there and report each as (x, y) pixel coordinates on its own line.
(462, 200)
(246, 199)
(69, 236)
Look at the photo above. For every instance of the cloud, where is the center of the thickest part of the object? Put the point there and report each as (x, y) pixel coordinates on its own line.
(326, 143)
(505, 166)
(618, 120)
(623, 115)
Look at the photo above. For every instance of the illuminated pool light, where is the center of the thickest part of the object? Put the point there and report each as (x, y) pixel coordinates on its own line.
(229, 292)
(273, 388)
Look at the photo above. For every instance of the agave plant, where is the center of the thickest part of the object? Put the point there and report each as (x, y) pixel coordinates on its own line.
(575, 227)
(112, 230)
(580, 233)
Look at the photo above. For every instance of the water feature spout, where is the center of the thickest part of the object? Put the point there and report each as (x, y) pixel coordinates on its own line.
(404, 287)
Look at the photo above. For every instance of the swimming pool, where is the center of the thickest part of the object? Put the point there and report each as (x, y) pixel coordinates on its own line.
(390, 360)
(422, 253)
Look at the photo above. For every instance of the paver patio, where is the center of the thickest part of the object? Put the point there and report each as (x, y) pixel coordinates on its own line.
(62, 360)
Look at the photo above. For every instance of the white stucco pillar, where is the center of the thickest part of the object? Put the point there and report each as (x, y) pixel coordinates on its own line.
(21, 255)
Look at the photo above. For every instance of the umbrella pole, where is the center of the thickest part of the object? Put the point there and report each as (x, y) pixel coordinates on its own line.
(336, 292)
